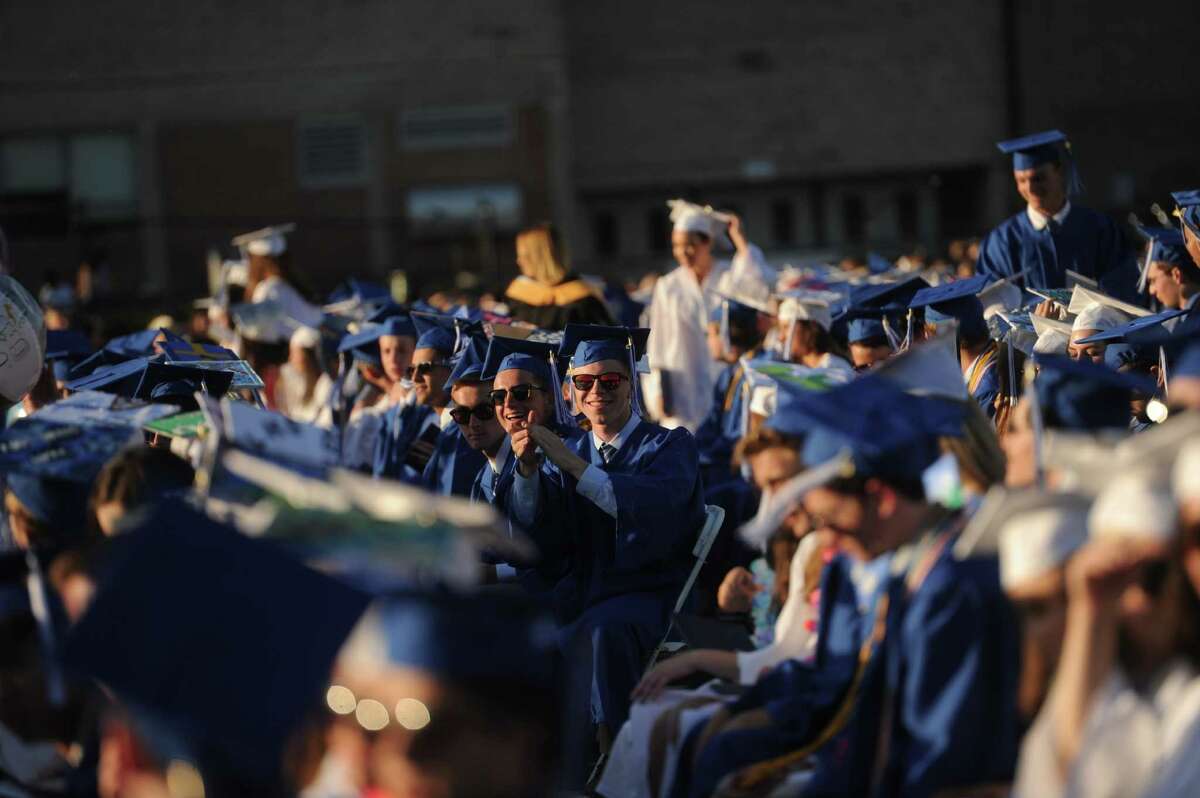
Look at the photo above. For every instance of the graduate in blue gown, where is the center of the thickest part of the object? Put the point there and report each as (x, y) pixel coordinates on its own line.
(980, 358)
(916, 691)
(621, 506)
(411, 428)
(454, 464)
(1051, 235)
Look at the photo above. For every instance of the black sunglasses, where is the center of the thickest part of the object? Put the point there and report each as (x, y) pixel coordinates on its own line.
(519, 393)
(421, 369)
(462, 415)
(608, 381)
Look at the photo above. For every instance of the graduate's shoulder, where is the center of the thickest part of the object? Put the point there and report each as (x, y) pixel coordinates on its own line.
(1092, 218)
(1009, 230)
(659, 437)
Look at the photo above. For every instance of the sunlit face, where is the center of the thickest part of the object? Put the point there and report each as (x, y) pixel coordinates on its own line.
(1164, 284)
(396, 352)
(843, 514)
(770, 469)
(1043, 187)
(19, 520)
(430, 371)
(864, 356)
(800, 337)
(513, 413)
(1093, 352)
(691, 250)
(480, 435)
(604, 408)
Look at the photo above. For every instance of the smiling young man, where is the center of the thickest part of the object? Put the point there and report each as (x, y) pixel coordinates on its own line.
(1051, 235)
(619, 508)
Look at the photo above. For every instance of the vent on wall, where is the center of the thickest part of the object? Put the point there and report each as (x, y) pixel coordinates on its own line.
(458, 128)
(332, 153)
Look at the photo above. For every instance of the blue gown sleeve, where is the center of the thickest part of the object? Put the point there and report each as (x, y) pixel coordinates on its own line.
(541, 507)
(659, 506)
(995, 256)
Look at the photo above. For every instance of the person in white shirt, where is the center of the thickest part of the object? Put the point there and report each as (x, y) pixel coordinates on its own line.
(683, 373)
(302, 392)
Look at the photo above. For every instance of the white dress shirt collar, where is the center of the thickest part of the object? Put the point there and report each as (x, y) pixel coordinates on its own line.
(1039, 220)
(621, 436)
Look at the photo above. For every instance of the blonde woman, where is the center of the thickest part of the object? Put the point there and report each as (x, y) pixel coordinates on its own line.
(546, 293)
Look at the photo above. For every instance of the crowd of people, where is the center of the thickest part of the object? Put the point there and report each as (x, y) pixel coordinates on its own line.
(850, 529)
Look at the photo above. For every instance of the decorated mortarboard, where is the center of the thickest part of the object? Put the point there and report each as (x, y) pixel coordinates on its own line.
(1163, 245)
(1132, 331)
(1187, 208)
(142, 377)
(179, 587)
(267, 241)
(125, 347)
(1082, 395)
(183, 351)
(465, 639)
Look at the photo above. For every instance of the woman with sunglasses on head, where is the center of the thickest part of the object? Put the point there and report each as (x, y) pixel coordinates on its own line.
(619, 510)
(1126, 685)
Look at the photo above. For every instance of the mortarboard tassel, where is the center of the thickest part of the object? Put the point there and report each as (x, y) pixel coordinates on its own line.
(564, 417)
(893, 337)
(725, 344)
(635, 380)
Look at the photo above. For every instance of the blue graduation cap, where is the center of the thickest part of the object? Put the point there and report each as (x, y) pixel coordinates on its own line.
(1049, 146)
(1188, 208)
(584, 344)
(877, 263)
(391, 310)
(1082, 395)
(1136, 331)
(890, 434)
(1120, 356)
(361, 291)
(467, 640)
(65, 349)
(364, 344)
(958, 300)
(865, 329)
(876, 299)
(468, 363)
(536, 357)
(442, 332)
(179, 589)
(154, 380)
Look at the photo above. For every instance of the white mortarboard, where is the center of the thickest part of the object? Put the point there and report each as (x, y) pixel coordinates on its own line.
(688, 217)
(306, 338)
(1185, 476)
(1037, 540)
(1000, 295)
(1082, 297)
(1135, 505)
(796, 309)
(929, 368)
(268, 241)
(1042, 324)
(1098, 317)
(1052, 342)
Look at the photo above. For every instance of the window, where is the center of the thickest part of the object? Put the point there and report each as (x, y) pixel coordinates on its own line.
(332, 153)
(605, 234)
(854, 218)
(96, 173)
(783, 228)
(461, 128)
(658, 230)
(453, 210)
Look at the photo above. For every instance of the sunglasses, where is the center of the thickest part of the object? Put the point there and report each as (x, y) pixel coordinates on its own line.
(608, 382)
(519, 393)
(422, 369)
(462, 415)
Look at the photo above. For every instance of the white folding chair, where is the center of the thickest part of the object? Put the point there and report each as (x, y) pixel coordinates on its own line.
(714, 516)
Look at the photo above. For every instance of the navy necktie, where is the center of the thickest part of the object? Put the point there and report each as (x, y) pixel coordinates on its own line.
(607, 452)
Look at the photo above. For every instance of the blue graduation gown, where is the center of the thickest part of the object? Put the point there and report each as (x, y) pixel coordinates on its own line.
(452, 468)
(402, 424)
(1086, 242)
(718, 434)
(619, 577)
(943, 679)
(799, 697)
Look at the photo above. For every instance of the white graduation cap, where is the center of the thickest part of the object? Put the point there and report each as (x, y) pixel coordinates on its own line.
(797, 308)
(688, 217)
(268, 241)
(930, 368)
(1033, 531)
(1135, 505)
(1083, 297)
(745, 288)
(776, 506)
(999, 296)
(1053, 335)
(1099, 318)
